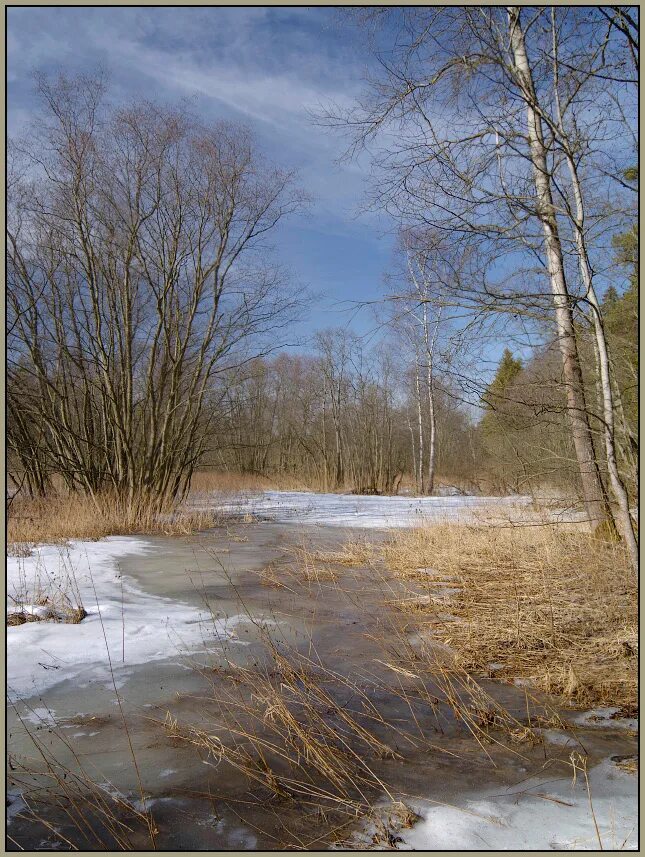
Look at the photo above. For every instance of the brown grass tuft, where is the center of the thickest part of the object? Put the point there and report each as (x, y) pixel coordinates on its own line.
(544, 603)
(355, 553)
(61, 517)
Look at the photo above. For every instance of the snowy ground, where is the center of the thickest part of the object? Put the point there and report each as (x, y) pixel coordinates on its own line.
(350, 510)
(545, 813)
(131, 625)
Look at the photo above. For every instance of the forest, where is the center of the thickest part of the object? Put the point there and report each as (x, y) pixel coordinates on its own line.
(143, 315)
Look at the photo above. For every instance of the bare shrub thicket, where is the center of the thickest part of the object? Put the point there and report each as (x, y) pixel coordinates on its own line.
(137, 274)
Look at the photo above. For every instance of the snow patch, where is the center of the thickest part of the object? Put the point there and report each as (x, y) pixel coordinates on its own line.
(545, 814)
(136, 626)
(352, 510)
(605, 718)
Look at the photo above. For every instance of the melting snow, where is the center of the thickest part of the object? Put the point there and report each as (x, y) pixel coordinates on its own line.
(134, 626)
(606, 718)
(546, 814)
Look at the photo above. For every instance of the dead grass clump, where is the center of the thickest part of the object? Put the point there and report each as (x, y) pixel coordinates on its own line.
(67, 613)
(628, 764)
(388, 821)
(20, 550)
(544, 603)
(14, 619)
(308, 565)
(271, 576)
(76, 615)
(288, 730)
(357, 553)
(58, 518)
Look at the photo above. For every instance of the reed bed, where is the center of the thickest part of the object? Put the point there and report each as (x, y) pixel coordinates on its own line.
(60, 517)
(301, 734)
(544, 604)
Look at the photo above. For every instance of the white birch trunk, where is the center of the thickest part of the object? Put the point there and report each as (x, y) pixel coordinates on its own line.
(623, 517)
(420, 473)
(592, 488)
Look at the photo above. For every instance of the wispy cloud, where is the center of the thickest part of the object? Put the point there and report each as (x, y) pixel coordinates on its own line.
(267, 67)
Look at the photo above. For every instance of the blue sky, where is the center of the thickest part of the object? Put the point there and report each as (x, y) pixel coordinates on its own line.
(269, 68)
(266, 67)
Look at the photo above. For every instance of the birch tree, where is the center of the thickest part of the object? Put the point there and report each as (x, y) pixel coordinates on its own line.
(463, 125)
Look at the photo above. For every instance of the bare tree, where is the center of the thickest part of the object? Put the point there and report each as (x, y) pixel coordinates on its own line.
(136, 280)
(467, 144)
(576, 214)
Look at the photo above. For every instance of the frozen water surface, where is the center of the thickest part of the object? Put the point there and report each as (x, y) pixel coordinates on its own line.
(144, 604)
(543, 814)
(125, 625)
(351, 510)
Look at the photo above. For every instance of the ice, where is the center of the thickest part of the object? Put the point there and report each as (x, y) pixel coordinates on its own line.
(543, 814)
(15, 804)
(134, 626)
(351, 510)
(606, 718)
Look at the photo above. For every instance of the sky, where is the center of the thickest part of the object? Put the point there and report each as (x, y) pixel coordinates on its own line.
(269, 68)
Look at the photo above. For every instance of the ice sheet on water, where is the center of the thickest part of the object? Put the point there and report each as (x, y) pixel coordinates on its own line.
(353, 510)
(542, 814)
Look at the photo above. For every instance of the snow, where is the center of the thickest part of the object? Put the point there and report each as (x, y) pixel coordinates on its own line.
(134, 626)
(606, 718)
(351, 510)
(545, 813)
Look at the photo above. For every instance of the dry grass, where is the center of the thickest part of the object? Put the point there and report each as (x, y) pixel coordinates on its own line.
(538, 602)
(358, 552)
(68, 615)
(628, 764)
(42, 595)
(62, 517)
(308, 567)
(288, 728)
(214, 481)
(542, 603)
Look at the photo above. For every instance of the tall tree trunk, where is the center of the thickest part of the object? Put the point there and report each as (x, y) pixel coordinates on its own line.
(592, 488)
(414, 449)
(430, 344)
(623, 517)
(420, 473)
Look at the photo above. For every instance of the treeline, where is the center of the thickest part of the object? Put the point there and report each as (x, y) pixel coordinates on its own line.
(343, 418)
(353, 417)
(524, 434)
